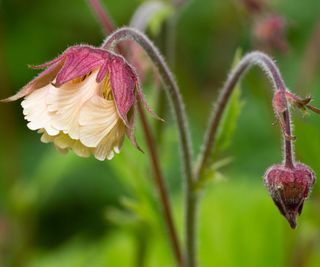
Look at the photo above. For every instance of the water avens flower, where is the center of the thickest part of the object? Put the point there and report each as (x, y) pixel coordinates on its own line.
(289, 187)
(289, 183)
(83, 101)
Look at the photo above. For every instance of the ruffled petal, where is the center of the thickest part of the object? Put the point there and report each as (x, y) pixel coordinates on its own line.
(64, 143)
(111, 143)
(67, 102)
(36, 112)
(97, 118)
(45, 137)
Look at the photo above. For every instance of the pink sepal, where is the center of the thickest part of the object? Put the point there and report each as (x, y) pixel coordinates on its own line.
(49, 63)
(130, 130)
(79, 61)
(145, 103)
(123, 82)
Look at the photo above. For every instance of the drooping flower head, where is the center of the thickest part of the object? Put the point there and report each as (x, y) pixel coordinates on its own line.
(83, 101)
(289, 188)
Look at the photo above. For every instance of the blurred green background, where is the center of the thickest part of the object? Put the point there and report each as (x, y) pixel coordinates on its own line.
(58, 210)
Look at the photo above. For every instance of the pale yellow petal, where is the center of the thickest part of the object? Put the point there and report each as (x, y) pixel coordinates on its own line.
(77, 117)
(97, 118)
(81, 150)
(67, 101)
(111, 143)
(46, 138)
(36, 112)
(62, 151)
(64, 142)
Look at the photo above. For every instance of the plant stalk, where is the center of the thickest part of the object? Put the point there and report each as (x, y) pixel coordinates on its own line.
(159, 181)
(270, 69)
(179, 111)
(158, 176)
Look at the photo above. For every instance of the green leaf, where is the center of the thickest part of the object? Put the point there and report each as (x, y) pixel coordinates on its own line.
(230, 117)
(212, 174)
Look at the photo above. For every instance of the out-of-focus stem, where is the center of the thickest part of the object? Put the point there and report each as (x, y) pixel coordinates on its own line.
(159, 181)
(310, 61)
(102, 16)
(170, 40)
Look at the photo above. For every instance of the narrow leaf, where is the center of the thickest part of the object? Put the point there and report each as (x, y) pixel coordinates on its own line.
(230, 116)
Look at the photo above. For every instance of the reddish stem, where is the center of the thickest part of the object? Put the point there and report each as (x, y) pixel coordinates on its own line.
(158, 176)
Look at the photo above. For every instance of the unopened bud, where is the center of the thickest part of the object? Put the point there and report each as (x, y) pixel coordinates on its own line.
(289, 187)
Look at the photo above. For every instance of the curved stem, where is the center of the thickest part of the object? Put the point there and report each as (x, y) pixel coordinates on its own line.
(167, 78)
(178, 107)
(271, 70)
(159, 179)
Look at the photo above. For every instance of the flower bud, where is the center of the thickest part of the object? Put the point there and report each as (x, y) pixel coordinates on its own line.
(289, 187)
(270, 32)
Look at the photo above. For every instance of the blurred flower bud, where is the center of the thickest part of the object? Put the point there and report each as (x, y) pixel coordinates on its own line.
(270, 32)
(254, 6)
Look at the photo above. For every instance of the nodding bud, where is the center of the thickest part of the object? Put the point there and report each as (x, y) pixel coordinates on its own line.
(289, 187)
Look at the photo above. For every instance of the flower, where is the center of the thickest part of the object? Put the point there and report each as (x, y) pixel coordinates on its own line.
(289, 187)
(84, 101)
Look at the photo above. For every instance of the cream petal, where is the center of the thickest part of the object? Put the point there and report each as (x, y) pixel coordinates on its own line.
(98, 117)
(110, 155)
(106, 149)
(74, 117)
(67, 101)
(111, 143)
(81, 150)
(36, 112)
(102, 151)
(46, 138)
(64, 143)
(116, 149)
(62, 151)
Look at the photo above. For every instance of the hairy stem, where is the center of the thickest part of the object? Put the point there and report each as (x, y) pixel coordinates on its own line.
(178, 107)
(270, 69)
(170, 83)
(288, 153)
(159, 179)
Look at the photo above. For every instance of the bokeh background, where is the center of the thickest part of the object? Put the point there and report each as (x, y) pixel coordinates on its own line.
(61, 210)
